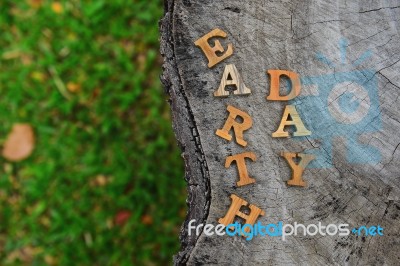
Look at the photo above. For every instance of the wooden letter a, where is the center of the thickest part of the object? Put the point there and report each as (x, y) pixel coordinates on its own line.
(231, 77)
(301, 130)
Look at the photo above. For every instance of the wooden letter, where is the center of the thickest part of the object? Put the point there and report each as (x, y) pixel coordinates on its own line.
(211, 52)
(234, 210)
(275, 85)
(231, 76)
(244, 178)
(238, 128)
(297, 169)
(296, 121)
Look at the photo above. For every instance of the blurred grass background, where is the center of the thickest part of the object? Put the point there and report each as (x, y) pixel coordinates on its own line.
(104, 185)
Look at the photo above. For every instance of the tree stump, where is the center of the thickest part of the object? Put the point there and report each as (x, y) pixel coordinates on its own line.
(347, 58)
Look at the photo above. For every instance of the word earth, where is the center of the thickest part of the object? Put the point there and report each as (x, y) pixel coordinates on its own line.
(231, 77)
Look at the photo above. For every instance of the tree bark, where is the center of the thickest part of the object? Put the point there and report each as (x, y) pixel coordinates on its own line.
(347, 54)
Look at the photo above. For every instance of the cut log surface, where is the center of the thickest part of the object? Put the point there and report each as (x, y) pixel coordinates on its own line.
(347, 55)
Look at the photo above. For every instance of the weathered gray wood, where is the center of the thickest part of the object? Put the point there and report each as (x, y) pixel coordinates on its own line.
(289, 35)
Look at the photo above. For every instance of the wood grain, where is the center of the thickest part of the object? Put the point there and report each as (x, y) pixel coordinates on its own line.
(239, 159)
(356, 176)
(231, 77)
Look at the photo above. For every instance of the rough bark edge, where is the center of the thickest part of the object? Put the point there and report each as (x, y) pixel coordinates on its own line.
(186, 133)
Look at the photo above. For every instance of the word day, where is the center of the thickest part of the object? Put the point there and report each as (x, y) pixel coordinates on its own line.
(231, 77)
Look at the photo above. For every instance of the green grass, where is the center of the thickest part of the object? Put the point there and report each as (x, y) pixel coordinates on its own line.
(85, 74)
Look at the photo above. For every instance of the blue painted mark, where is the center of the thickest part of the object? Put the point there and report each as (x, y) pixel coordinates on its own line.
(315, 113)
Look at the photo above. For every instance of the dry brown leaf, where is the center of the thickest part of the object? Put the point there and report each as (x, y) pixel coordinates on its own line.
(122, 217)
(73, 87)
(25, 254)
(99, 181)
(19, 143)
(147, 219)
(35, 3)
